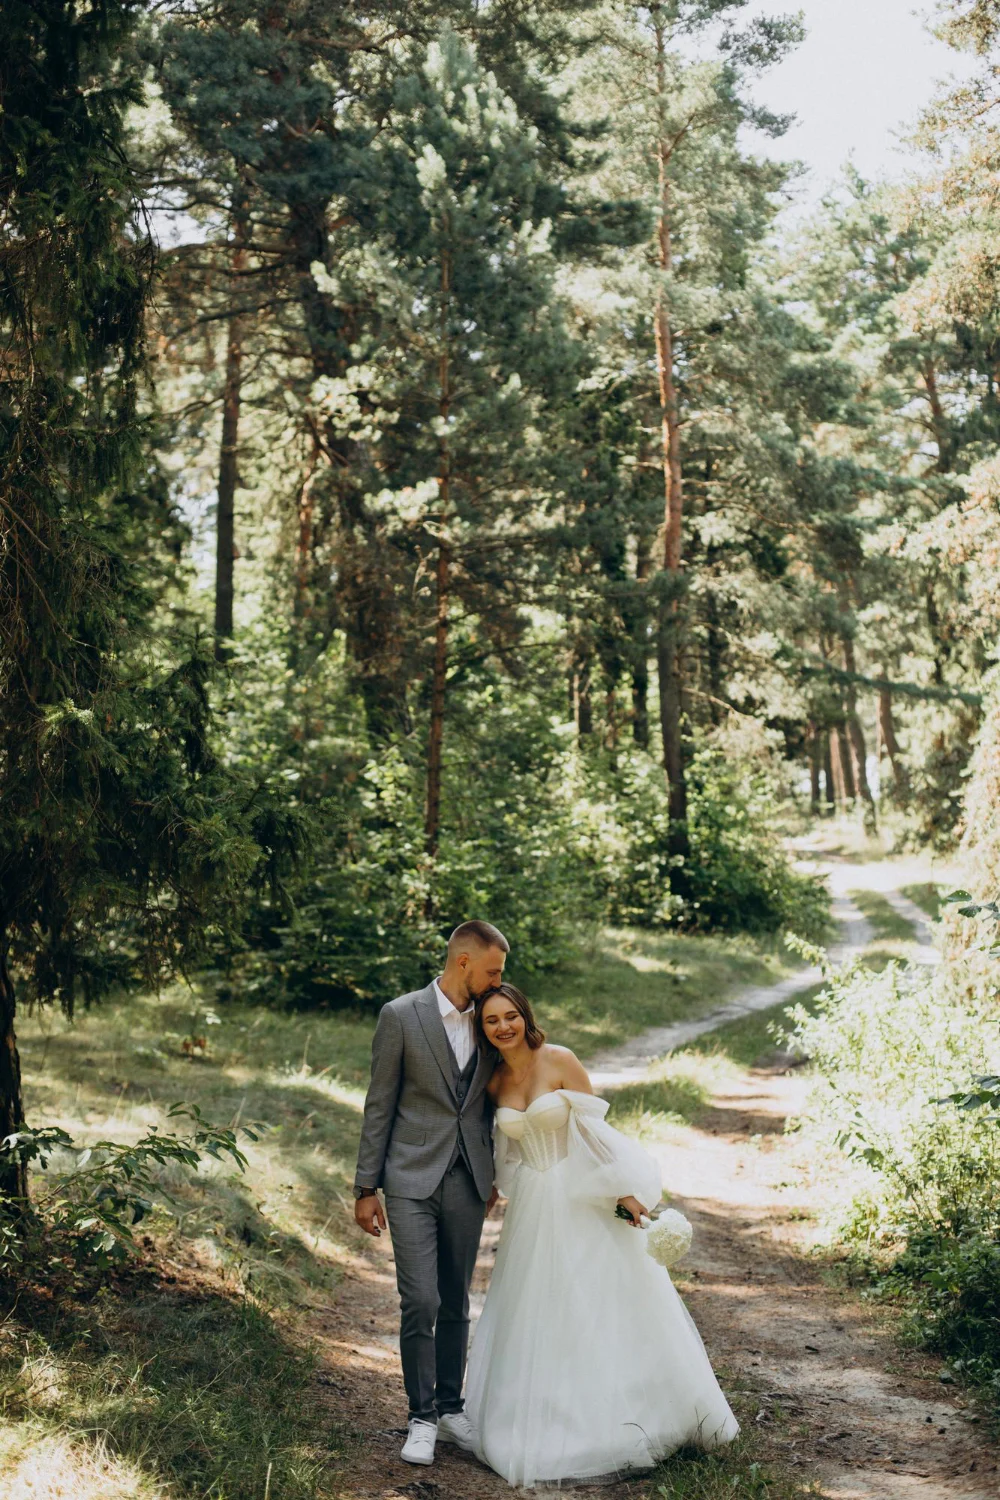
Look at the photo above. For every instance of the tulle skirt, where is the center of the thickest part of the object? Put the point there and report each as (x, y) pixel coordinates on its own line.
(585, 1361)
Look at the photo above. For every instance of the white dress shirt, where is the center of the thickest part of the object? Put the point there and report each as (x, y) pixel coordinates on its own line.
(457, 1027)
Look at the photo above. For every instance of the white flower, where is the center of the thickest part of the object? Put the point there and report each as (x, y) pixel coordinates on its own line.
(668, 1237)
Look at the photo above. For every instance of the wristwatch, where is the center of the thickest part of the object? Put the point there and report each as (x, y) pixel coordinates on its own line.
(360, 1192)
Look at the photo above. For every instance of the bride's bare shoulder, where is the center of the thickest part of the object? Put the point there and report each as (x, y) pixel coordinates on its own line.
(566, 1069)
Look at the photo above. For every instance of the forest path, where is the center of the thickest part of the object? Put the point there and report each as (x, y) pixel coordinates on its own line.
(628, 1063)
(816, 1371)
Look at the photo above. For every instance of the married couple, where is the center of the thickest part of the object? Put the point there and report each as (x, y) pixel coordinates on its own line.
(585, 1361)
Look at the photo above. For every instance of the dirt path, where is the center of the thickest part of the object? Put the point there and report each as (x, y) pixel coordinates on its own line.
(840, 1400)
(817, 1370)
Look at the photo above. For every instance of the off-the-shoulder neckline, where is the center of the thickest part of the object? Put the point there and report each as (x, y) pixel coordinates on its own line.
(570, 1095)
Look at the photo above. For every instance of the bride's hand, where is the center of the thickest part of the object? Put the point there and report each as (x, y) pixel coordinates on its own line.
(633, 1207)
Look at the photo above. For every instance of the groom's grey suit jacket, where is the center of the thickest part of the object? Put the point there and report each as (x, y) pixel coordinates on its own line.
(421, 1113)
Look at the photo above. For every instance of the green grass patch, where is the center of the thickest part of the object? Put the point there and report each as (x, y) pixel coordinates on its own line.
(750, 1038)
(630, 980)
(149, 1390)
(886, 922)
(928, 896)
(745, 1469)
(674, 1095)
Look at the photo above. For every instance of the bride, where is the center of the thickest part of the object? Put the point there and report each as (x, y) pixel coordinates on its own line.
(585, 1360)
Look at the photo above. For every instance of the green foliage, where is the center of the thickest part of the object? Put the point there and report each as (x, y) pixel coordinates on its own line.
(94, 1206)
(887, 924)
(738, 876)
(949, 1282)
(188, 1388)
(894, 1054)
(125, 844)
(363, 927)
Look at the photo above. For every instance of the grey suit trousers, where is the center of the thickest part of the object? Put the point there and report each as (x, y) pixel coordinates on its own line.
(435, 1241)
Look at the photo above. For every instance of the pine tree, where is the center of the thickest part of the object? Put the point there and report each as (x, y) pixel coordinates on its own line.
(474, 342)
(677, 126)
(121, 837)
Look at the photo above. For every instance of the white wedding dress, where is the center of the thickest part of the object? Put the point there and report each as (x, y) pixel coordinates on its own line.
(585, 1360)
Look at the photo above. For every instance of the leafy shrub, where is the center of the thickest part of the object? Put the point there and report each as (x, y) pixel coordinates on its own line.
(109, 1188)
(372, 911)
(924, 1213)
(738, 876)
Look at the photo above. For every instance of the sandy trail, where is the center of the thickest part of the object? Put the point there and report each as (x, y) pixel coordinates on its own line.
(817, 1369)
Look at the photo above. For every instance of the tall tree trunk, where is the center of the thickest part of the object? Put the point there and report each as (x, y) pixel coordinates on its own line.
(856, 737)
(225, 544)
(305, 516)
(846, 762)
(859, 757)
(583, 711)
(813, 741)
(440, 674)
(438, 689)
(829, 783)
(13, 1173)
(638, 622)
(668, 643)
(939, 422)
(839, 764)
(887, 734)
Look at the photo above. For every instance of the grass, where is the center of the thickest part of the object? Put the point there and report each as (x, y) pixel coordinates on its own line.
(744, 1470)
(928, 896)
(887, 924)
(145, 1390)
(185, 1378)
(749, 1039)
(631, 980)
(678, 1088)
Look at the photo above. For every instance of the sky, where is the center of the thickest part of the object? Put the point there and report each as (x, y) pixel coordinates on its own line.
(862, 74)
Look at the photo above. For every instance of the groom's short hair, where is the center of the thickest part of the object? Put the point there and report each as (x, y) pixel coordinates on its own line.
(478, 934)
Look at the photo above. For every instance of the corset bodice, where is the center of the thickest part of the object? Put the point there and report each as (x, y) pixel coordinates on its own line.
(541, 1130)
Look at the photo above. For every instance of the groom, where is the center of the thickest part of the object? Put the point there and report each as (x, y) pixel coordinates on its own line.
(426, 1140)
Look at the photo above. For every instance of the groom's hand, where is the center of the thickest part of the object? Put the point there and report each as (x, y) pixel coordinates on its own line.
(634, 1208)
(368, 1212)
(492, 1203)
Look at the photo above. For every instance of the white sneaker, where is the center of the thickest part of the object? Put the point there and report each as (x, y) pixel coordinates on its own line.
(419, 1445)
(455, 1427)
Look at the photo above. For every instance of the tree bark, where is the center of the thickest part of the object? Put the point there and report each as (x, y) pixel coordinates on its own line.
(668, 652)
(813, 738)
(856, 737)
(13, 1173)
(837, 767)
(440, 674)
(829, 783)
(887, 733)
(225, 546)
(846, 763)
(640, 659)
(583, 710)
(439, 683)
(939, 422)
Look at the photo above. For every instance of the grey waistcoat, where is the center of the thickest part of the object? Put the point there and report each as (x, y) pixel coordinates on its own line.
(421, 1114)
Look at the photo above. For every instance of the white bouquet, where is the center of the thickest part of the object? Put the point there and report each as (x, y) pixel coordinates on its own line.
(668, 1237)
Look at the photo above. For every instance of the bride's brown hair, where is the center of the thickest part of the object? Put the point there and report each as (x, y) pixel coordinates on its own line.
(533, 1033)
